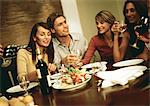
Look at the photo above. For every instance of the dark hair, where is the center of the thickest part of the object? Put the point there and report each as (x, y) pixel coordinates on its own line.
(32, 46)
(140, 7)
(51, 19)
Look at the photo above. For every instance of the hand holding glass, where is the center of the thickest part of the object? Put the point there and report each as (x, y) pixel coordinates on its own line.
(119, 27)
(138, 37)
(23, 82)
(123, 27)
(78, 53)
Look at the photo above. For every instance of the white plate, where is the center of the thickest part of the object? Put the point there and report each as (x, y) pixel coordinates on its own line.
(91, 65)
(57, 85)
(17, 88)
(128, 62)
(55, 76)
(101, 66)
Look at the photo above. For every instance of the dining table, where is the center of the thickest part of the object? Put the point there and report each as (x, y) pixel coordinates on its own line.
(134, 93)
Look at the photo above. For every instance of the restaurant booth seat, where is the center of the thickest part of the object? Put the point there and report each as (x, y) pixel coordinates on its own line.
(8, 74)
(8, 68)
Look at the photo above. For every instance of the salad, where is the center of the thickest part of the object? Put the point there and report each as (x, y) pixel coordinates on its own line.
(72, 76)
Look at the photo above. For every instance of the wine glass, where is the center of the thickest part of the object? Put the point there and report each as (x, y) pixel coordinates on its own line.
(135, 44)
(96, 67)
(123, 26)
(78, 53)
(23, 82)
(139, 30)
(138, 37)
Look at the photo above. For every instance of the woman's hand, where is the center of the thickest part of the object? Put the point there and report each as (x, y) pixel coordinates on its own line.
(51, 67)
(142, 37)
(118, 28)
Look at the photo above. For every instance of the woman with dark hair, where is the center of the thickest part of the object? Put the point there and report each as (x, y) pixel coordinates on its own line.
(40, 38)
(137, 20)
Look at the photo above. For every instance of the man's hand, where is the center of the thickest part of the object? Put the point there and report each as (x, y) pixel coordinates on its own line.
(70, 59)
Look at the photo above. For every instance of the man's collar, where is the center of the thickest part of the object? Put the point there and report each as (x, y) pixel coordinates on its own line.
(74, 37)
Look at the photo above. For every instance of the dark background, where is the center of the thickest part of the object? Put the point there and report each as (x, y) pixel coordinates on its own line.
(18, 17)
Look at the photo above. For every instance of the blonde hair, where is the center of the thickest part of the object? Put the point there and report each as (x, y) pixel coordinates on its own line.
(105, 16)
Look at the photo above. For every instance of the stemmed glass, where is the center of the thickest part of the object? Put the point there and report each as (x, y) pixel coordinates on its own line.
(23, 82)
(119, 27)
(123, 27)
(138, 36)
(96, 67)
(135, 44)
(138, 28)
(78, 53)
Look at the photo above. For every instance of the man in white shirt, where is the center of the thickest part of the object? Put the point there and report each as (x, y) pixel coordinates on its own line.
(64, 42)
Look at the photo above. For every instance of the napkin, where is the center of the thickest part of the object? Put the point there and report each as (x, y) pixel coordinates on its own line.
(120, 76)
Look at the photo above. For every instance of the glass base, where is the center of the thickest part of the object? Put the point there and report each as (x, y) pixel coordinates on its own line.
(134, 46)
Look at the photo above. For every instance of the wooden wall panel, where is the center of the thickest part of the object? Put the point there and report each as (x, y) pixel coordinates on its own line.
(18, 17)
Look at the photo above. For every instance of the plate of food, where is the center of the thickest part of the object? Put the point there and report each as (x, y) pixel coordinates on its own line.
(55, 76)
(17, 88)
(95, 67)
(128, 62)
(71, 80)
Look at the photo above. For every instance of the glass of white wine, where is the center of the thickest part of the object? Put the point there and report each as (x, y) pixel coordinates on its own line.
(123, 26)
(78, 53)
(23, 82)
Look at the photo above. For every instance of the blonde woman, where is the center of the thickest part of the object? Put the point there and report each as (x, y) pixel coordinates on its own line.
(110, 46)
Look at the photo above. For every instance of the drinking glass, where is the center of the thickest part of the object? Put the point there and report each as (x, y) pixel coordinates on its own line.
(138, 36)
(123, 26)
(78, 53)
(135, 44)
(96, 67)
(143, 23)
(23, 82)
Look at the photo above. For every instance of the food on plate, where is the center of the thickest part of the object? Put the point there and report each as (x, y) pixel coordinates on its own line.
(95, 67)
(73, 76)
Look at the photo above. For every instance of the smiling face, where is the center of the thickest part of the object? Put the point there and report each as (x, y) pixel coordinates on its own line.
(104, 20)
(131, 13)
(43, 37)
(103, 27)
(61, 27)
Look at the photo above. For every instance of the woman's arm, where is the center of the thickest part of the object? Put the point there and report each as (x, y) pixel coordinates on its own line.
(145, 37)
(119, 50)
(89, 53)
(25, 65)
